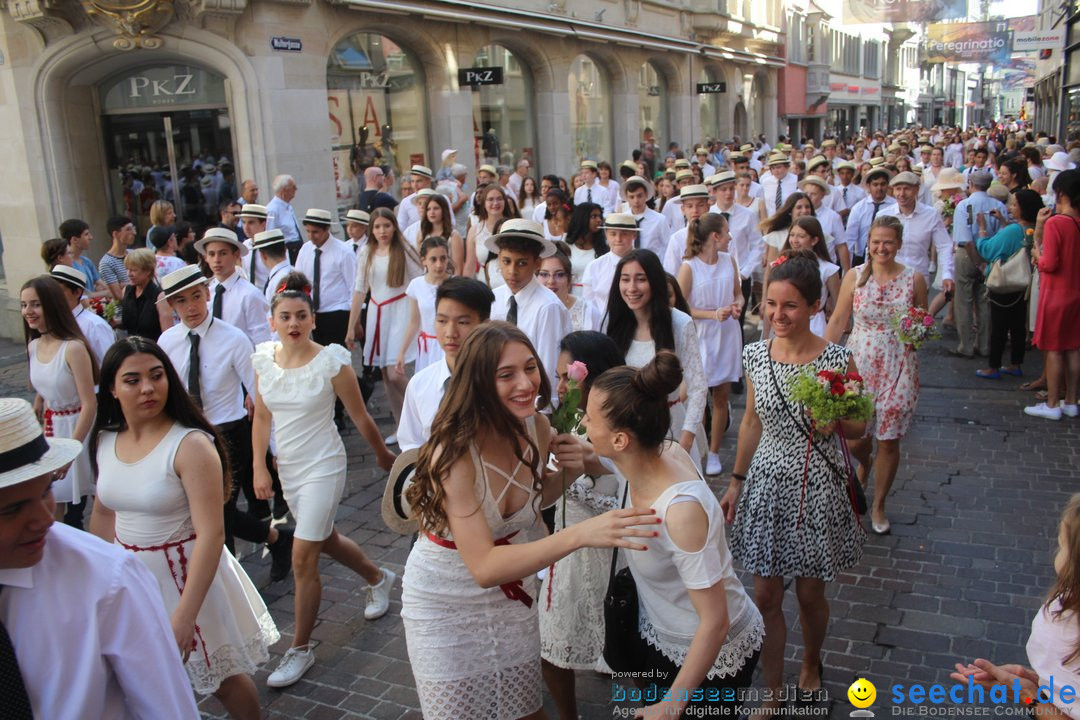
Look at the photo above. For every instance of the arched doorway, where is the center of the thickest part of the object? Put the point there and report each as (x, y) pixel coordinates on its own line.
(503, 114)
(653, 101)
(740, 121)
(590, 111)
(375, 93)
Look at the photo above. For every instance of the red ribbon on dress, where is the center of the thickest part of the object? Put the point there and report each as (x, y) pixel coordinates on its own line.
(422, 341)
(50, 414)
(180, 581)
(376, 344)
(512, 590)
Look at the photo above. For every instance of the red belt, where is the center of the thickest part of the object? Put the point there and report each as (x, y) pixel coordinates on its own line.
(422, 341)
(512, 590)
(50, 414)
(376, 344)
(180, 580)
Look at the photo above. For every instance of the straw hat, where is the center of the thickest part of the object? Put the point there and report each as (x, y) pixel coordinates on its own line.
(358, 216)
(315, 216)
(949, 179)
(422, 171)
(816, 182)
(25, 452)
(638, 180)
(1059, 161)
(69, 276)
(267, 238)
(778, 160)
(621, 221)
(721, 178)
(224, 235)
(186, 277)
(589, 165)
(693, 191)
(816, 161)
(396, 512)
(251, 210)
(523, 229)
(488, 169)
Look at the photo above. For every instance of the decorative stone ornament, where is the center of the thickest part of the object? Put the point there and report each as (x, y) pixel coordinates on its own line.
(136, 21)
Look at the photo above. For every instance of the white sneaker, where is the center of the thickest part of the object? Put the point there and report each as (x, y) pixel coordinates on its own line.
(392, 440)
(379, 596)
(292, 667)
(1069, 410)
(713, 466)
(1044, 411)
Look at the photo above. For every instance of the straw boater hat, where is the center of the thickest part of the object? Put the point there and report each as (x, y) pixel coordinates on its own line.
(425, 192)
(638, 180)
(69, 276)
(682, 164)
(629, 165)
(828, 144)
(522, 229)
(738, 159)
(315, 216)
(358, 216)
(949, 179)
(905, 178)
(621, 221)
(877, 161)
(25, 452)
(422, 171)
(684, 174)
(846, 165)
(816, 161)
(701, 151)
(875, 172)
(251, 210)
(589, 165)
(488, 169)
(267, 238)
(396, 512)
(721, 178)
(778, 159)
(815, 181)
(224, 235)
(186, 277)
(694, 191)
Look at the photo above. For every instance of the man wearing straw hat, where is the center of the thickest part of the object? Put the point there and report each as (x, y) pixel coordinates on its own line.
(654, 227)
(253, 220)
(234, 299)
(408, 211)
(99, 334)
(83, 631)
(866, 211)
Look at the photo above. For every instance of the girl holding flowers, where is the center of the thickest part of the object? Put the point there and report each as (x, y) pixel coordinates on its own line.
(877, 292)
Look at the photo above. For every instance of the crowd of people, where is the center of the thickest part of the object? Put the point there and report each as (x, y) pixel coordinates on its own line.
(202, 364)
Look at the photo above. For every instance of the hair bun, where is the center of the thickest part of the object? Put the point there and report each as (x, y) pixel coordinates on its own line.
(660, 377)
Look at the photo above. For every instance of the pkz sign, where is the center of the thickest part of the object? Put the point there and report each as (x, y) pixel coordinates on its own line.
(162, 86)
(475, 77)
(711, 88)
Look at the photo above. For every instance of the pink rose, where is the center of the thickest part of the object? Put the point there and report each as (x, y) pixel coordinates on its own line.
(928, 321)
(577, 371)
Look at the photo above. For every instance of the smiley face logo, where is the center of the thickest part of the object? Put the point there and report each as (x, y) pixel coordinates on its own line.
(862, 693)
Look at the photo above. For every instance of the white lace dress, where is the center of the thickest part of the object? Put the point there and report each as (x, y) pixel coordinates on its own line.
(475, 652)
(233, 629)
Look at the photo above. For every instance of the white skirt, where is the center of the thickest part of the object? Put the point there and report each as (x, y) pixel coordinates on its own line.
(78, 481)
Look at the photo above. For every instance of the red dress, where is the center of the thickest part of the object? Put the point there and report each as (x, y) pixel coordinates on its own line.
(1056, 326)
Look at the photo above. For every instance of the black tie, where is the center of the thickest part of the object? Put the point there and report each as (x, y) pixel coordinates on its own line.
(779, 195)
(219, 291)
(194, 384)
(845, 197)
(12, 687)
(511, 314)
(315, 280)
(251, 274)
(588, 194)
(727, 215)
(877, 206)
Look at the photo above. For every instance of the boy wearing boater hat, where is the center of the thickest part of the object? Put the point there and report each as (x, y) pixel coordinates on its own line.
(817, 190)
(778, 184)
(356, 228)
(99, 334)
(522, 300)
(591, 191)
(330, 265)
(83, 630)
(408, 212)
(253, 220)
(232, 297)
(621, 231)
(654, 227)
(746, 244)
(695, 203)
(270, 246)
(865, 211)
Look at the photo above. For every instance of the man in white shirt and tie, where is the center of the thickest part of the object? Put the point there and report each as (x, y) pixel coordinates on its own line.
(923, 226)
(778, 184)
(654, 227)
(83, 630)
(865, 212)
(279, 214)
(232, 297)
(519, 247)
(253, 220)
(408, 212)
(591, 190)
(695, 203)
(819, 166)
(330, 265)
(621, 232)
(702, 155)
(846, 192)
(356, 227)
(270, 245)
(739, 164)
(673, 210)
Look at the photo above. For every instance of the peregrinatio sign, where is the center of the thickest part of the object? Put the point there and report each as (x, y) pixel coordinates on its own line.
(987, 42)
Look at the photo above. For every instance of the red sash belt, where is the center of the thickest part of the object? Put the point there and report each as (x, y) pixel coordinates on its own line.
(512, 590)
(50, 414)
(376, 343)
(422, 341)
(179, 578)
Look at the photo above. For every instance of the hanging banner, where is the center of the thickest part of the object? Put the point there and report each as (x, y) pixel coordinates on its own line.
(883, 11)
(985, 42)
(1038, 40)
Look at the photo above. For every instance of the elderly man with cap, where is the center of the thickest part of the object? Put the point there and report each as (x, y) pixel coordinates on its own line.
(270, 246)
(99, 334)
(778, 184)
(233, 298)
(83, 630)
(519, 247)
(253, 219)
(970, 300)
(866, 211)
(356, 228)
(279, 213)
(330, 265)
(923, 227)
(654, 227)
(694, 203)
(213, 360)
(408, 211)
(622, 232)
(818, 190)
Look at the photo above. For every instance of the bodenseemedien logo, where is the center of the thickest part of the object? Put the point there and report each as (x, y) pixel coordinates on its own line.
(862, 694)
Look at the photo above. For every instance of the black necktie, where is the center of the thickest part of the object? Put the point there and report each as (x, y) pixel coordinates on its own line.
(194, 383)
(779, 195)
(845, 197)
(219, 292)
(727, 215)
(12, 687)
(251, 273)
(315, 280)
(877, 206)
(588, 194)
(511, 314)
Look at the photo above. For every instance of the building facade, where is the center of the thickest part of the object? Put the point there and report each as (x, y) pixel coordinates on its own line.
(97, 91)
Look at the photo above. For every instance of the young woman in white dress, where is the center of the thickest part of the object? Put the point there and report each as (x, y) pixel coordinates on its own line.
(492, 207)
(63, 373)
(586, 239)
(743, 197)
(421, 291)
(709, 280)
(297, 381)
(806, 234)
(555, 274)
(162, 480)
(385, 266)
(470, 618)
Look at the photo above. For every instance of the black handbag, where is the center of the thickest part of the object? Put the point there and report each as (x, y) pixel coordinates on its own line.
(621, 640)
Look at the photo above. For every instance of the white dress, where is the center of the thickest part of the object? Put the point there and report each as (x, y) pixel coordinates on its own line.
(233, 629)
(583, 316)
(713, 286)
(827, 270)
(579, 260)
(428, 350)
(491, 275)
(388, 312)
(55, 383)
(310, 455)
(475, 652)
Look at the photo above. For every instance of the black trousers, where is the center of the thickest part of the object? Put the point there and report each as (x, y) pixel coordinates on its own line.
(244, 525)
(1008, 318)
(331, 327)
(293, 249)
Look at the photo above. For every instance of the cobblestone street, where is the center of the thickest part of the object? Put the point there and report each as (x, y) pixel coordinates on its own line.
(974, 514)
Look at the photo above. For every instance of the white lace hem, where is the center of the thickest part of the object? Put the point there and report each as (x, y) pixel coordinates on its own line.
(732, 656)
(230, 660)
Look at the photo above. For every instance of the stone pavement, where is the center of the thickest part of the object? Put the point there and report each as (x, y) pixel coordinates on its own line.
(974, 513)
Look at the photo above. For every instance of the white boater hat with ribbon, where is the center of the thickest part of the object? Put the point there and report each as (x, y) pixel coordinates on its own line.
(25, 452)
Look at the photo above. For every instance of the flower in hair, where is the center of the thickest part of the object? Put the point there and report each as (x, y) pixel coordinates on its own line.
(284, 286)
(779, 261)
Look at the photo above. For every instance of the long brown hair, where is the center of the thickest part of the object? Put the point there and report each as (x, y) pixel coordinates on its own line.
(426, 228)
(400, 251)
(509, 206)
(699, 233)
(812, 226)
(781, 220)
(470, 408)
(883, 221)
(59, 322)
(1066, 589)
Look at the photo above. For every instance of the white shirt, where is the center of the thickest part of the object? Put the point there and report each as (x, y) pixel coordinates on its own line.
(673, 213)
(832, 226)
(746, 243)
(654, 231)
(90, 631)
(597, 279)
(513, 184)
(277, 274)
(243, 307)
(337, 273)
(539, 212)
(921, 228)
(853, 195)
(224, 366)
(788, 185)
(279, 214)
(254, 260)
(858, 223)
(407, 212)
(541, 315)
(98, 332)
(676, 248)
(423, 395)
(606, 198)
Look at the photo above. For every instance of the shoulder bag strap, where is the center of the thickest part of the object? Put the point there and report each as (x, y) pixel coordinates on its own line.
(615, 550)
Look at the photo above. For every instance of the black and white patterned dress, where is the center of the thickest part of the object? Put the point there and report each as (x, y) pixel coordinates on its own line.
(768, 537)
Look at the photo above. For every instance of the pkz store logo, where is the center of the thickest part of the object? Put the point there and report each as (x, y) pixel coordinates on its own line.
(179, 84)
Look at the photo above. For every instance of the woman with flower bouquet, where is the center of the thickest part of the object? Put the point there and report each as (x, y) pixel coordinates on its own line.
(791, 502)
(889, 304)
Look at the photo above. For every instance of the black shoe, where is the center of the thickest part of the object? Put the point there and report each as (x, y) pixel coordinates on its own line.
(281, 555)
(737, 387)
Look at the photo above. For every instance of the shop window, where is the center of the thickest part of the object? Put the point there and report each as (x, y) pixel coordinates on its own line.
(503, 125)
(590, 111)
(652, 98)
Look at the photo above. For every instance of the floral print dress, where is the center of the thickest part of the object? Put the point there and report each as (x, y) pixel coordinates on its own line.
(889, 368)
